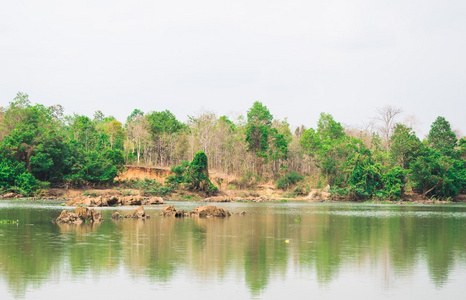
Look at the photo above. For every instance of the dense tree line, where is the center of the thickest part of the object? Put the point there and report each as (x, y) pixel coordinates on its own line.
(41, 147)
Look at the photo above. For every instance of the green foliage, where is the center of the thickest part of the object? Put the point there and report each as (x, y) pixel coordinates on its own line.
(248, 180)
(9, 221)
(224, 120)
(301, 189)
(180, 174)
(441, 137)
(365, 178)
(40, 147)
(405, 146)
(331, 149)
(393, 181)
(259, 135)
(339, 192)
(462, 148)
(328, 128)
(26, 184)
(164, 122)
(279, 148)
(437, 175)
(148, 187)
(289, 180)
(194, 175)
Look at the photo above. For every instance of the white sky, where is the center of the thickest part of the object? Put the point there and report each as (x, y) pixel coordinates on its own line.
(300, 58)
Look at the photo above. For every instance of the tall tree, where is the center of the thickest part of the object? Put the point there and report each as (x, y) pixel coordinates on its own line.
(258, 127)
(163, 127)
(137, 133)
(404, 147)
(441, 137)
(437, 175)
(329, 146)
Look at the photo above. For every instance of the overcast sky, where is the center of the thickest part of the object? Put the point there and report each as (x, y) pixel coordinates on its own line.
(299, 58)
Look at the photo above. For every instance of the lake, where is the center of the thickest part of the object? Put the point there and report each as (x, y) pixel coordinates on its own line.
(276, 251)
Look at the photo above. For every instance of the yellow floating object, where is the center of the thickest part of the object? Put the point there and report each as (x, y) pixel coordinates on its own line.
(287, 241)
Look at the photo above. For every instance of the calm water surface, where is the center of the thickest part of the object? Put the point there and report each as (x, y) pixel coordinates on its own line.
(275, 251)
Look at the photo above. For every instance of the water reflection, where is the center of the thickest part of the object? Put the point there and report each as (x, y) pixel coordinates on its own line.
(327, 242)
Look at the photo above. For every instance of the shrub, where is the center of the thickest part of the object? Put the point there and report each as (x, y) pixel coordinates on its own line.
(289, 180)
(194, 175)
(149, 187)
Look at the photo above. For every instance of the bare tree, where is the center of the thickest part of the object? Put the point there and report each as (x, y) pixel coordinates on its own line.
(138, 136)
(386, 117)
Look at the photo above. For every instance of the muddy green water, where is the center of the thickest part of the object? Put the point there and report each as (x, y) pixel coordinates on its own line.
(275, 251)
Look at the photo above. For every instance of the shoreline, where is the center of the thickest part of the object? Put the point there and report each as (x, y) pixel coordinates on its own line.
(65, 195)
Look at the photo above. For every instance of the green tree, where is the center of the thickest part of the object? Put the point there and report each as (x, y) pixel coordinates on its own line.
(441, 137)
(330, 147)
(404, 146)
(164, 122)
(437, 175)
(164, 127)
(258, 129)
(365, 178)
(193, 175)
(462, 148)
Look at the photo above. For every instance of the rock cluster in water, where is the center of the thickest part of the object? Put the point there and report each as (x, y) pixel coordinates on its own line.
(201, 211)
(138, 213)
(81, 215)
(235, 199)
(114, 201)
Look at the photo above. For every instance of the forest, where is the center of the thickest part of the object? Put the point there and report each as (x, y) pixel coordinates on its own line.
(40, 147)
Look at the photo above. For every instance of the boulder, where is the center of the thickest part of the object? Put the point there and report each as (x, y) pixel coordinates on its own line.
(153, 201)
(81, 215)
(130, 200)
(209, 211)
(113, 200)
(67, 217)
(139, 213)
(9, 196)
(170, 211)
(218, 199)
(88, 214)
(117, 216)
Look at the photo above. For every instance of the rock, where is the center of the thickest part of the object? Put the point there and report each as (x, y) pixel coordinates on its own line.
(319, 195)
(117, 216)
(218, 199)
(201, 211)
(243, 213)
(81, 215)
(153, 201)
(209, 211)
(9, 196)
(130, 200)
(79, 201)
(139, 213)
(170, 211)
(88, 214)
(111, 200)
(67, 217)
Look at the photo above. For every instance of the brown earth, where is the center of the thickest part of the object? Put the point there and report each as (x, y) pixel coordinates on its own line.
(141, 172)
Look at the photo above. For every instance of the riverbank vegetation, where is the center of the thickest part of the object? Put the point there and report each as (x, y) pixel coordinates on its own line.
(40, 147)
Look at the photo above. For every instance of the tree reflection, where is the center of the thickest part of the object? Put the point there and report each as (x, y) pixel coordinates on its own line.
(327, 242)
